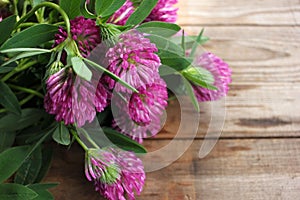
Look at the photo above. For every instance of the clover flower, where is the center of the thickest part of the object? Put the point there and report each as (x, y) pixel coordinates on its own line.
(133, 59)
(222, 76)
(84, 31)
(141, 116)
(164, 11)
(115, 173)
(72, 99)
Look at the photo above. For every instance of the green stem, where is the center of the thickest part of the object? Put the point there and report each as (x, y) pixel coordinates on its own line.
(90, 139)
(18, 69)
(27, 90)
(28, 24)
(79, 140)
(50, 5)
(15, 8)
(40, 15)
(112, 75)
(27, 99)
(25, 4)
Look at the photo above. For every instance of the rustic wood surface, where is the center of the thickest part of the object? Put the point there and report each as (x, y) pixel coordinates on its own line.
(258, 154)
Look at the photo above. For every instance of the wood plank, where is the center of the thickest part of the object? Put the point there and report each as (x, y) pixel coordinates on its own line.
(250, 169)
(242, 12)
(251, 111)
(235, 169)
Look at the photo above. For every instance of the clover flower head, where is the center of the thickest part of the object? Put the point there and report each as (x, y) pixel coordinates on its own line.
(84, 32)
(133, 59)
(115, 173)
(222, 76)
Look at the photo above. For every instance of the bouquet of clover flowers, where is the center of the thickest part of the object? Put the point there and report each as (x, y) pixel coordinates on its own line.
(96, 72)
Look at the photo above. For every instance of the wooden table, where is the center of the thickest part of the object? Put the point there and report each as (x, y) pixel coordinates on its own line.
(258, 154)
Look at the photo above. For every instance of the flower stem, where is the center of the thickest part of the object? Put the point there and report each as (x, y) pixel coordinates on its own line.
(28, 24)
(25, 4)
(89, 139)
(112, 75)
(27, 99)
(15, 8)
(51, 5)
(18, 69)
(27, 90)
(79, 140)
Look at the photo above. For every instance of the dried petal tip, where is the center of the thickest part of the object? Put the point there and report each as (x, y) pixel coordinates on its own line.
(221, 73)
(116, 174)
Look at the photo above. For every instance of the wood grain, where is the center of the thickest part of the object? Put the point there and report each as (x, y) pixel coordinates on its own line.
(235, 169)
(249, 111)
(241, 12)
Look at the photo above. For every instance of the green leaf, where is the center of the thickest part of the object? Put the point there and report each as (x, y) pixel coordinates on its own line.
(28, 172)
(61, 135)
(10, 161)
(81, 69)
(36, 134)
(196, 43)
(165, 70)
(71, 7)
(163, 29)
(41, 190)
(47, 155)
(200, 77)
(7, 139)
(189, 40)
(6, 69)
(141, 12)
(174, 60)
(11, 191)
(6, 27)
(101, 6)
(114, 6)
(190, 92)
(42, 186)
(43, 195)
(22, 55)
(122, 141)
(29, 116)
(9, 100)
(165, 44)
(31, 37)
